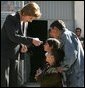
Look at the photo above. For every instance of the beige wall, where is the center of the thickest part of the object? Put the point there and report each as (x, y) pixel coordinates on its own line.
(79, 15)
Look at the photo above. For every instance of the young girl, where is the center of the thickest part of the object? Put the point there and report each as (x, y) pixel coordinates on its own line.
(50, 77)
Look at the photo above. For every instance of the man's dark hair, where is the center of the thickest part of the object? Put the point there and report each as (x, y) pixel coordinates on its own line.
(59, 24)
(78, 29)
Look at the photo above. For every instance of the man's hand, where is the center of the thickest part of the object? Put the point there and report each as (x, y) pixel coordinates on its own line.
(24, 48)
(37, 42)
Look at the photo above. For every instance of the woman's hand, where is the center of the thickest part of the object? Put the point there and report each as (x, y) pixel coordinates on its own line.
(37, 42)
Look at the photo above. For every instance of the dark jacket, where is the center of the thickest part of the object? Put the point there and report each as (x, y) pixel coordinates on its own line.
(11, 36)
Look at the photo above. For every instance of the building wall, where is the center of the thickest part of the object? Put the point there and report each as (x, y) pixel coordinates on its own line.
(71, 12)
(52, 10)
(8, 7)
(79, 15)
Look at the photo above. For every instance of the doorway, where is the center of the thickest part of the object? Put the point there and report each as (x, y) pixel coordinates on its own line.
(36, 29)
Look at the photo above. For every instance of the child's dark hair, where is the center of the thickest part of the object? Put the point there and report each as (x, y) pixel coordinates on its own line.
(57, 52)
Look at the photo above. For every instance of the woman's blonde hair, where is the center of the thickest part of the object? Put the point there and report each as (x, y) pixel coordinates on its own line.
(31, 9)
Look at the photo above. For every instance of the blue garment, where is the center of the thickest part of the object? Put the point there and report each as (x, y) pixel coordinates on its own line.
(74, 59)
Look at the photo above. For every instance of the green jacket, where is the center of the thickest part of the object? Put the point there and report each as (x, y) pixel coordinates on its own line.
(49, 78)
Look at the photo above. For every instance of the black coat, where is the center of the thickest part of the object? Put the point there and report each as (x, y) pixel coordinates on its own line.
(11, 37)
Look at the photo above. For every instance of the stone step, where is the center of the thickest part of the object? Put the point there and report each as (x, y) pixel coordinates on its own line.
(32, 85)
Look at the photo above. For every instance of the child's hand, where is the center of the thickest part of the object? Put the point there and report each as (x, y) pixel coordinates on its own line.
(38, 72)
(60, 69)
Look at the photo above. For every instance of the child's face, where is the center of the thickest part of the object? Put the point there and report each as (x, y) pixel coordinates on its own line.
(50, 59)
(47, 48)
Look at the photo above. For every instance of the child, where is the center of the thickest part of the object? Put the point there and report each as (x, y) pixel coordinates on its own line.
(50, 77)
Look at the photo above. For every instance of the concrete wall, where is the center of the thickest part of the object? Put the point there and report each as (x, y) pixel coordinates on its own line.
(53, 10)
(72, 12)
(79, 15)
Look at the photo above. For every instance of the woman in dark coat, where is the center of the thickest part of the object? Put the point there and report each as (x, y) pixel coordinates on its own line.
(11, 38)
